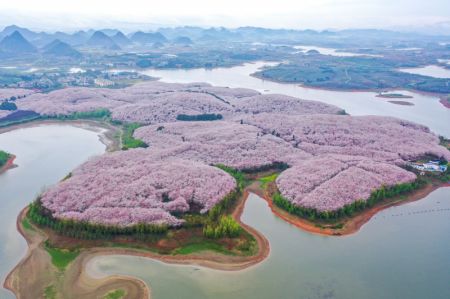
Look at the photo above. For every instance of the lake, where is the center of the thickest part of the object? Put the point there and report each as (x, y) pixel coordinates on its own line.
(45, 154)
(401, 253)
(426, 110)
(434, 71)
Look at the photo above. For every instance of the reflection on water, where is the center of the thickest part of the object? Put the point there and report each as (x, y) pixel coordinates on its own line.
(426, 110)
(45, 154)
(401, 253)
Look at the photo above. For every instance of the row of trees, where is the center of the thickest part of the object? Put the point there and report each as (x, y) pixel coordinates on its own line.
(93, 114)
(218, 224)
(348, 210)
(84, 230)
(199, 117)
(279, 166)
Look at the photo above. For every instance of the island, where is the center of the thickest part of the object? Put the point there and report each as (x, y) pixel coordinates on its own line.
(187, 156)
(393, 96)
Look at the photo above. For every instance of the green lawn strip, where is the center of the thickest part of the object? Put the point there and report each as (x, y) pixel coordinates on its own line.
(61, 257)
(268, 179)
(116, 294)
(50, 292)
(202, 246)
(128, 141)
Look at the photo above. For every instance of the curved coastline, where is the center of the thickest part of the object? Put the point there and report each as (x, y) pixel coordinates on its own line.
(78, 282)
(355, 223)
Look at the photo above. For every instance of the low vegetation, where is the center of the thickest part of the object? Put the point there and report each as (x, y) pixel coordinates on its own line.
(128, 141)
(6, 105)
(61, 258)
(4, 156)
(226, 226)
(116, 294)
(50, 292)
(268, 179)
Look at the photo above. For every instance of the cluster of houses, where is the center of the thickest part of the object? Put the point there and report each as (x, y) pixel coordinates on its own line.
(431, 166)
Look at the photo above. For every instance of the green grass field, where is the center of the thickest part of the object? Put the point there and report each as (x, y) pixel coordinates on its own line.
(116, 294)
(61, 257)
(268, 179)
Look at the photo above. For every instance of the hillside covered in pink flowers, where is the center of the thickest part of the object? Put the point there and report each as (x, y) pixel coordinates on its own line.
(334, 159)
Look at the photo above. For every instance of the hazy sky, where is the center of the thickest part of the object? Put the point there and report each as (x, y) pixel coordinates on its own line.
(315, 14)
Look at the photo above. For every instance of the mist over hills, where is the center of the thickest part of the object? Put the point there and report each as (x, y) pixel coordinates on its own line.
(101, 40)
(16, 43)
(15, 40)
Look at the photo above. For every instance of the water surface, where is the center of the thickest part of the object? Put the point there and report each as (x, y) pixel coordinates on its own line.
(434, 71)
(401, 253)
(426, 110)
(331, 51)
(45, 154)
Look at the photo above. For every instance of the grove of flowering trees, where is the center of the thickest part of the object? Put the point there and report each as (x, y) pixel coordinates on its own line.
(221, 142)
(335, 159)
(131, 187)
(375, 137)
(327, 184)
(277, 103)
